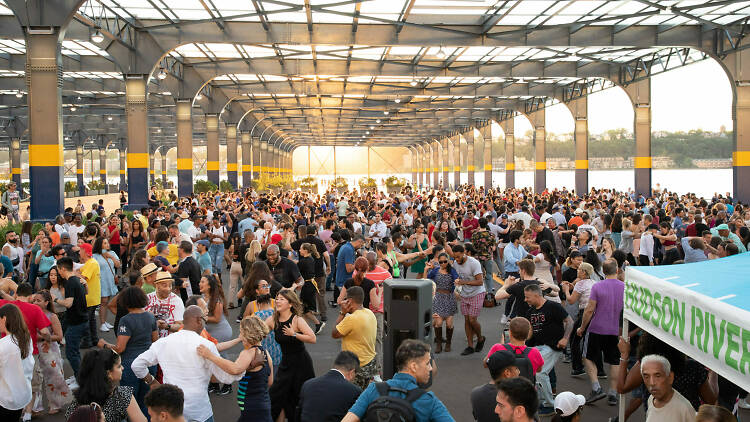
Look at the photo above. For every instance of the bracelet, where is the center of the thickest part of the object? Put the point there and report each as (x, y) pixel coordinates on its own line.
(623, 360)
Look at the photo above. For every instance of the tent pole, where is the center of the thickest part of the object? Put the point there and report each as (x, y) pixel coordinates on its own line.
(623, 397)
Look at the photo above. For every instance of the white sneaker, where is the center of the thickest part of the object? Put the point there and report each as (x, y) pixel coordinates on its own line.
(104, 328)
(109, 325)
(71, 382)
(26, 417)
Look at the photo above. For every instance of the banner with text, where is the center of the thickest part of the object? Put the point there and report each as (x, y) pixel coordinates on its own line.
(711, 332)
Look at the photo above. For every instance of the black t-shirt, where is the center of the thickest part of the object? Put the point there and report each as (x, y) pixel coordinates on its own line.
(189, 268)
(320, 246)
(366, 285)
(504, 237)
(570, 274)
(545, 234)
(547, 324)
(76, 314)
(520, 307)
(285, 271)
(483, 402)
(139, 328)
(282, 252)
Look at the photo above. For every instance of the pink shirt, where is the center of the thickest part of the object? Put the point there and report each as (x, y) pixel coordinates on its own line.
(378, 276)
(534, 356)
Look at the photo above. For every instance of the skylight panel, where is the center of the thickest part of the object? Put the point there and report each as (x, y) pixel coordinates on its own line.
(516, 20)
(581, 8)
(382, 7)
(4, 9)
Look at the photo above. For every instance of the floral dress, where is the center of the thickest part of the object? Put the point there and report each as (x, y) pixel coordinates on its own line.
(51, 363)
(444, 304)
(269, 342)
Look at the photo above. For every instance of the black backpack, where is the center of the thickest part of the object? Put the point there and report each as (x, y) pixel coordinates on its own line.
(387, 408)
(523, 363)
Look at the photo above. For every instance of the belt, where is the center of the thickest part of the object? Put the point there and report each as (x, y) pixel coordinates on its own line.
(444, 291)
(312, 280)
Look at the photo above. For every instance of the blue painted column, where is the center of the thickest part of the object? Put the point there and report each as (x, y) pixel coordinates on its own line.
(184, 147)
(137, 157)
(232, 175)
(79, 171)
(44, 79)
(247, 158)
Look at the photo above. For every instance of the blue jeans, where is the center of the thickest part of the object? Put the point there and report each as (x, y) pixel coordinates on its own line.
(544, 387)
(332, 276)
(140, 388)
(489, 268)
(216, 252)
(73, 336)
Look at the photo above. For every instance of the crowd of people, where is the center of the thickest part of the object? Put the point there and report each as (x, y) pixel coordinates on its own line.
(170, 273)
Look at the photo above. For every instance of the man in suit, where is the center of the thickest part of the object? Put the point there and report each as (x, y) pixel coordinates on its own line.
(328, 397)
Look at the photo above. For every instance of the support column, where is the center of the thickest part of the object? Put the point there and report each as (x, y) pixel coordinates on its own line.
(15, 162)
(456, 161)
(79, 171)
(212, 149)
(103, 167)
(123, 169)
(263, 163)
(164, 151)
(184, 147)
(737, 66)
(579, 109)
(540, 150)
(446, 167)
(436, 164)
(469, 136)
(151, 166)
(420, 165)
(44, 84)
(510, 161)
(427, 164)
(640, 95)
(486, 133)
(256, 158)
(413, 154)
(247, 156)
(232, 175)
(136, 108)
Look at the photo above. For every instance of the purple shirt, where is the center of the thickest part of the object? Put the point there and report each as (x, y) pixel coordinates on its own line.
(608, 295)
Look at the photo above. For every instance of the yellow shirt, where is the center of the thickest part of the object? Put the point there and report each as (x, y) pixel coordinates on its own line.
(90, 271)
(359, 330)
(173, 257)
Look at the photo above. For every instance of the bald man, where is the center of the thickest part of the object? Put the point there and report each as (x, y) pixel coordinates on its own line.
(183, 367)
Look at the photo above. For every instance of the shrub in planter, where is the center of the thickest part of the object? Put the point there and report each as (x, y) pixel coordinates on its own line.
(368, 184)
(71, 187)
(340, 184)
(394, 184)
(225, 186)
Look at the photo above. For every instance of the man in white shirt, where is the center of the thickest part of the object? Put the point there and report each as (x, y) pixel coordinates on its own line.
(181, 365)
(523, 215)
(194, 231)
(665, 404)
(378, 229)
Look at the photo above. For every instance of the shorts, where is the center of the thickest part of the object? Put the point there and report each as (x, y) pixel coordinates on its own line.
(597, 345)
(364, 374)
(471, 306)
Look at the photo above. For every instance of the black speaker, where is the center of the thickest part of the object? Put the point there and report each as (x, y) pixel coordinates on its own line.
(407, 313)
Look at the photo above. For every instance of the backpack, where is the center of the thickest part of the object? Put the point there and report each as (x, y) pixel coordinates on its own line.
(523, 363)
(387, 408)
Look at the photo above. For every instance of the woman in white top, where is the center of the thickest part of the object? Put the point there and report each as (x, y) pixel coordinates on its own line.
(16, 364)
(579, 292)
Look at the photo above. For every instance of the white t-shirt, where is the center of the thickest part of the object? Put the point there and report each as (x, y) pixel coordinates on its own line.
(15, 388)
(168, 310)
(194, 232)
(218, 231)
(678, 409)
(466, 271)
(74, 231)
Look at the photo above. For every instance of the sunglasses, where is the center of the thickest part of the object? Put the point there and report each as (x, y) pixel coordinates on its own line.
(266, 286)
(443, 262)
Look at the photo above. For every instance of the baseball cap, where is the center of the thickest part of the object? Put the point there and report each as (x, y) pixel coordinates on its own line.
(503, 215)
(149, 269)
(568, 403)
(86, 247)
(203, 242)
(276, 238)
(500, 360)
(578, 211)
(64, 234)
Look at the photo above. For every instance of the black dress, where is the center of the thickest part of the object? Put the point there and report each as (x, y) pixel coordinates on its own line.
(309, 292)
(296, 368)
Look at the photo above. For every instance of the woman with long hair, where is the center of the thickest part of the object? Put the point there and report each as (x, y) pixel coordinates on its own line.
(100, 372)
(125, 233)
(263, 307)
(308, 253)
(56, 288)
(443, 302)
(140, 260)
(258, 271)
(42, 262)
(136, 331)
(50, 358)
(88, 413)
(235, 269)
(292, 332)
(418, 242)
(138, 236)
(254, 401)
(16, 363)
(108, 263)
(216, 320)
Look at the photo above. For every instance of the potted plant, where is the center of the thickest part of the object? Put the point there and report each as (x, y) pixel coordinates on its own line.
(393, 184)
(225, 186)
(308, 184)
(202, 186)
(94, 187)
(368, 184)
(340, 185)
(70, 189)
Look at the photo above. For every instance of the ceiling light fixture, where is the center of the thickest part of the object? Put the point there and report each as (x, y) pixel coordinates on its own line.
(386, 112)
(109, 118)
(158, 130)
(368, 132)
(398, 100)
(198, 97)
(162, 74)
(19, 94)
(97, 36)
(441, 53)
(372, 127)
(377, 121)
(74, 108)
(413, 83)
(166, 93)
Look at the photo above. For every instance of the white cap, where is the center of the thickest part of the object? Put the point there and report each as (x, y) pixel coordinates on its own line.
(567, 402)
